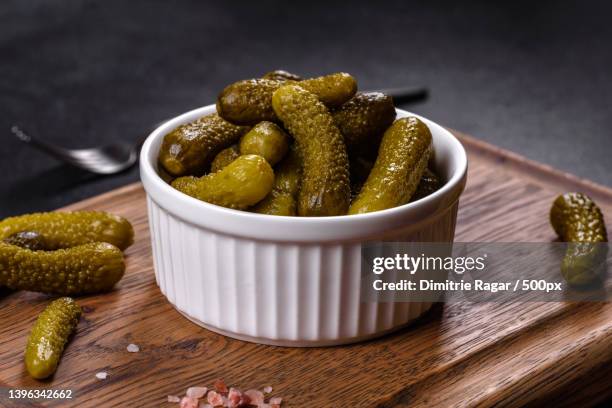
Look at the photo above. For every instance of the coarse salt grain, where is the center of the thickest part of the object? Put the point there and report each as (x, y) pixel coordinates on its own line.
(173, 398)
(214, 398)
(276, 401)
(196, 392)
(256, 396)
(133, 348)
(101, 375)
(188, 402)
(220, 386)
(267, 389)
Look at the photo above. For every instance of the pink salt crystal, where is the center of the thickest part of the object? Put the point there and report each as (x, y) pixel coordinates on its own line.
(173, 398)
(220, 386)
(133, 348)
(204, 404)
(196, 392)
(267, 389)
(233, 398)
(215, 399)
(276, 402)
(189, 402)
(256, 396)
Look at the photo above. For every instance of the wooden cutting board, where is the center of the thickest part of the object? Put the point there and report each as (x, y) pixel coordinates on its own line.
(456, 355)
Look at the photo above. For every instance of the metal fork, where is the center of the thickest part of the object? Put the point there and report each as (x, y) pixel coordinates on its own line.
(115, 158)
(109, 159)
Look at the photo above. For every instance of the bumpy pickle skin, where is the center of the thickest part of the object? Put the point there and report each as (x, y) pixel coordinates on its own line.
(282, 200)
(31, 240)
(49, 337)
(241, 184)
(401, 162)
(325, 189)
(281, 75)
(69, 229)
(363, 120)
(190, 148)
(266, 139)
(429, 184)
(89, 268)
(225, 157)
(577, 219)
(249, 102)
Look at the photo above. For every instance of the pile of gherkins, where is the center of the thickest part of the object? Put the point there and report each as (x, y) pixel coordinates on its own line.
(61, 253)
(283, 145)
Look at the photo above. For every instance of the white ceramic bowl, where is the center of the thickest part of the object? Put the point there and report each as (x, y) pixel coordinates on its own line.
(292, 281)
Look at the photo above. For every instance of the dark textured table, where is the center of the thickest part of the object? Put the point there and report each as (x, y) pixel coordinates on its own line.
(533, 77)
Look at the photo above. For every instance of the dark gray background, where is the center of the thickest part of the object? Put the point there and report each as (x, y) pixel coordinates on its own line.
(533, 77)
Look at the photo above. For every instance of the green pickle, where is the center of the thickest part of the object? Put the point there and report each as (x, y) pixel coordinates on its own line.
(363, 120)
(31, 240)
(49, 337)
(266, 139)
(69, 229)
(225, 157)
(249, 102)
(282, 200)
(325, 188)
(402, 160)
(281, 75)
(83, 269)
(190, 148)
(578, 220)
(430, 183)
(239, 185)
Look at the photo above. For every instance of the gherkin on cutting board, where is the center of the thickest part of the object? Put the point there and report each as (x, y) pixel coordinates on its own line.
(578, 220)
(49, 336)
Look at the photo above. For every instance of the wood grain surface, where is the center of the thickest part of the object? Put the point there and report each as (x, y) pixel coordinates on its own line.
(486, 354)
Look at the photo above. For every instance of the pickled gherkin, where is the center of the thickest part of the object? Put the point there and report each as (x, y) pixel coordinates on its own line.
(239, 185)
(69, 229)
(49, 337)
(82, 269)
(282, 200)
(578, 220)
(363, 120)
(31, 240)
(225, 157)
(266, 139)
(402, 159)
(249, 102)
(190, 148)
(429, 183)
(325, 186)
(281, 75)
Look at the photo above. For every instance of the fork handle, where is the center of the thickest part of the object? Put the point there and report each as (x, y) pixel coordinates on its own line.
(38, 144)
(404, 94)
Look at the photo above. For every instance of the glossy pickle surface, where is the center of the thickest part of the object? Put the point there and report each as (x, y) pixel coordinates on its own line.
(225, 157)
(266, 139)
(282, 200)
(249, 102)
(31, 240)
(363, 120)
(241, 184)
(577, 219)
(69, 229)
(49, 336)
(190, 148)
(324, 189)
(83, 269)
(402, 159)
